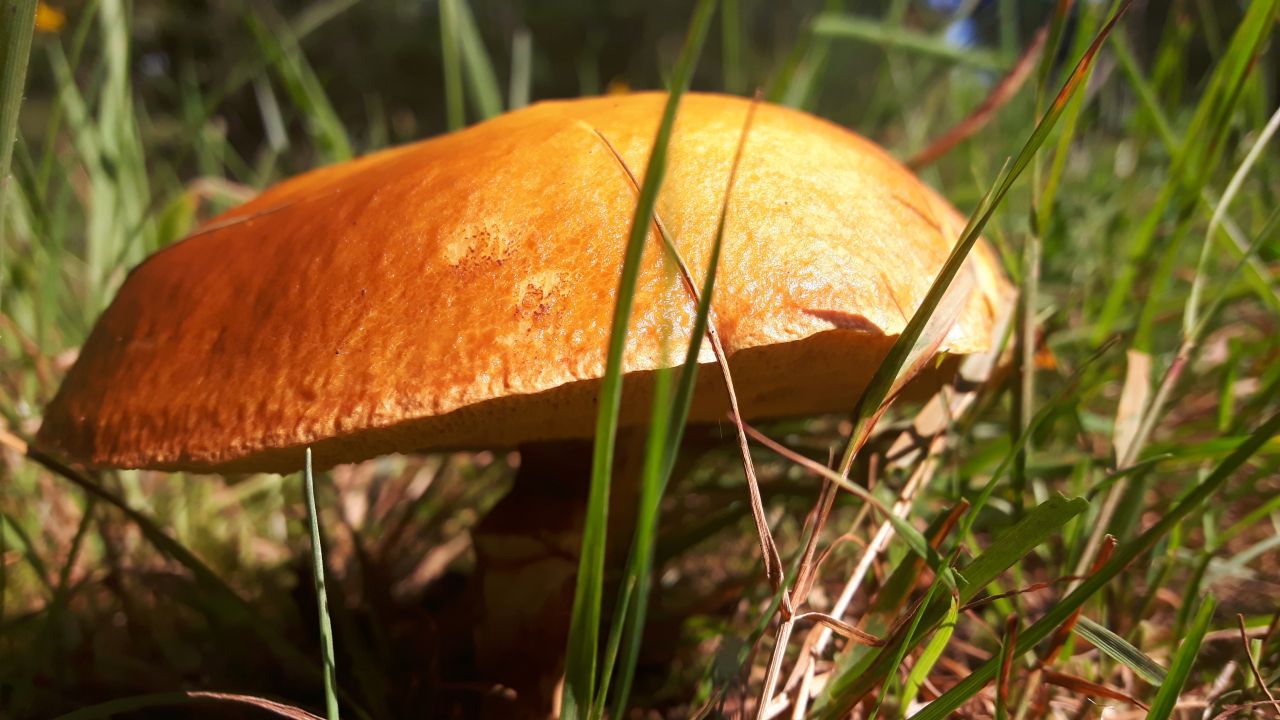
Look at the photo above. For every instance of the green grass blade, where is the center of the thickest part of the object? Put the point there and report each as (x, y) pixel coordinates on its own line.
(481, 78)
(904, 645)
(280, 45)
(798, 81)
(1043, 522)
(1125, 554)
(1121, 650)
(584, 629)
(451, 61)
(840, 26)
(521, 69)
(732, 70)
(1228, 233)
(1188, 171)
(929, 656)
(17, 24)
(633, 605)
(322, 596)
(851, 681)
(1191, 313)
(1167, 698)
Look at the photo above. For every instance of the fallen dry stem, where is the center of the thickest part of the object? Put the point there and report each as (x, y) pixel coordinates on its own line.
(1253, 665)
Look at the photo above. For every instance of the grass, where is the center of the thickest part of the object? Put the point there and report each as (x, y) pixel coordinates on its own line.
(1095, 523)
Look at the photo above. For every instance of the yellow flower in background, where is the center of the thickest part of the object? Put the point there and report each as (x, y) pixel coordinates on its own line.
(49, 19)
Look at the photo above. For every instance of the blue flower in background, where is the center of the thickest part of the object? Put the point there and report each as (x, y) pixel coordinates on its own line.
(962, 32)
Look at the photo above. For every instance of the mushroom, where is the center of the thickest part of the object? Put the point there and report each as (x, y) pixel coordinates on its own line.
(457, 293)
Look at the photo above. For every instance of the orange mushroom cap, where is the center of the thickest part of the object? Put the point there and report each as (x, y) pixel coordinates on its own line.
(458, 292)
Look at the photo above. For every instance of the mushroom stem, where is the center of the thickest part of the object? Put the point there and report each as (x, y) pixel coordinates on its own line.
(526, 564)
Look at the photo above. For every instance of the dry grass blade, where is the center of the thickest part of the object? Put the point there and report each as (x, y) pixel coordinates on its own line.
(142, 702)
(1064, 633)
(1086, 687)
(842, 628)
(1032, 588)
(1253, 665)
(809, 562)
(816, 644)
(1134, 396)
(1233, 711)
(1007, 658)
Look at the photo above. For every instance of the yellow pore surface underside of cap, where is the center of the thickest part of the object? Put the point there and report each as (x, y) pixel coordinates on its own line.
(458, 292)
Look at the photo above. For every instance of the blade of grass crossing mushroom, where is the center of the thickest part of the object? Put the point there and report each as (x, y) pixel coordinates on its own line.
(669, 410)
(879, 390)
(1167, 697)
(633, 592)
(584, 628)
(322, 595)
(1125, 554)
(19, 25)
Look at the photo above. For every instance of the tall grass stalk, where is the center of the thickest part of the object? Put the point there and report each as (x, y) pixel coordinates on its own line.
(322, 595)
(18, 20)
(584, 631)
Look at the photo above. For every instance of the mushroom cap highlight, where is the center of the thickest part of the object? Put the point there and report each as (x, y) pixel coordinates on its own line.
(458, 292)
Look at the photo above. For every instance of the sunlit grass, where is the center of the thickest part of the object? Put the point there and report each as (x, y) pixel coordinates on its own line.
(1144, 387)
